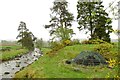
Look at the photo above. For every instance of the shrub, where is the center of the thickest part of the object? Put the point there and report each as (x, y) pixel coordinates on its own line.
(58, 46)
(55, 46)
(85, 42)
(112, 62)
(39, 43)
(104, 50)
(75, 41)
(95, 41)
(107, 51)
(5, 49)
(66, 42)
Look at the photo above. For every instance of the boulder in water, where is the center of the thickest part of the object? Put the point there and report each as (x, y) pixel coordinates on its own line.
(7, 73)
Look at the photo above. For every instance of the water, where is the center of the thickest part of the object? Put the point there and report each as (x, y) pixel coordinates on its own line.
(9, 68)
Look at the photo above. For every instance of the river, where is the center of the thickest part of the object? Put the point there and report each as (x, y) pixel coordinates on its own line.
(9, 68)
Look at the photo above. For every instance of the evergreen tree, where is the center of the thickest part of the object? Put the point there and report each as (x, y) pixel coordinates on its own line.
(22, 28)
(92, 16)
(60, 22)
(26, 37)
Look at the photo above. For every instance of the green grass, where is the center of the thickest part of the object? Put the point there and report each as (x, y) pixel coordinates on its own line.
(7, 55)
(14, 52)
(55, 67)
(45, 50)
(12, 47)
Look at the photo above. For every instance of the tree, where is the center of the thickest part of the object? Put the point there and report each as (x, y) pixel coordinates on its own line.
(114, 9)
(60, 22)
(26, 37)
(92, 16)
(39, 43)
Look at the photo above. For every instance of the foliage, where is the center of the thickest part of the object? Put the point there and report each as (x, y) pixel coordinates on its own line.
(39, 43)
(66, 42)
(94, 41)
(92, 17)
(109, 52)
(53, 44)
(56, 46)
(112, 63)
(105, 50)
(26, 37)
(75, 41)
(60, 22)
(118, 57)
(97, 41)
(5, 49)
(85, 42)
(71, 42)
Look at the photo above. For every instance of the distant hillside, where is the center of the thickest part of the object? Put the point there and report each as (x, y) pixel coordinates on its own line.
(8, 43)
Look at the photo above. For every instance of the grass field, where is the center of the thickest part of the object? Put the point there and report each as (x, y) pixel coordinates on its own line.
(12, 46)
(53, 66)
(14, 51)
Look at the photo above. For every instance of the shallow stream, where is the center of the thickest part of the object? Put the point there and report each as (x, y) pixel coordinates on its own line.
(9, 68)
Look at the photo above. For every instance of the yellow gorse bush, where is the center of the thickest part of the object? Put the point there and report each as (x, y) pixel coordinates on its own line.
(104, 50)
(67, 42)
(112, 62)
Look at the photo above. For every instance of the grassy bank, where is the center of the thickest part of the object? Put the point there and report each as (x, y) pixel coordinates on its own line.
(11, 46)
(53, 66)
(13, 52)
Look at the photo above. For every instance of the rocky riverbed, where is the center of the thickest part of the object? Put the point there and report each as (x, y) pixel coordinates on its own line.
(9, 68)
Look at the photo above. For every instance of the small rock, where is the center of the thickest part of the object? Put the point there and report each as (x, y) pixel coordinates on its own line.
(17, 59)
(76, 69)
(17, 65)
(22, 68)
(27, 59)
(68, 62)
(8, 62)
(7, 73)
(5, 63)
(26, 62)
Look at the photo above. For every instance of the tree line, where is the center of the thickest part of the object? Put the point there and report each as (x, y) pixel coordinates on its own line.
(91, 17)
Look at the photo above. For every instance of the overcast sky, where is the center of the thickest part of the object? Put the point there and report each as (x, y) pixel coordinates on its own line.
(35, 13)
